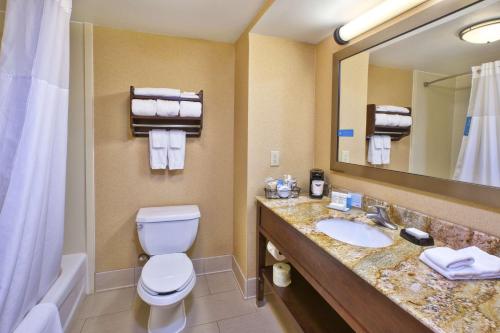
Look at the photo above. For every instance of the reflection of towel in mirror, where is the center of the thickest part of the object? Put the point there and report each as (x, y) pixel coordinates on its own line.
(379, 150)
(393, 120)
(392, 108)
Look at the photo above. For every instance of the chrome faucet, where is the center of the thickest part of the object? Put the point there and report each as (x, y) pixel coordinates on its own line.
(381, 217)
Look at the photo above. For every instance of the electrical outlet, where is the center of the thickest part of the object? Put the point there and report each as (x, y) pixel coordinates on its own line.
(345, 156)
(275, 158)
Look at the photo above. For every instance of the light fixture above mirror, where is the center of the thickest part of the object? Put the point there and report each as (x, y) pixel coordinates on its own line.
(377, 15)
(482, 33)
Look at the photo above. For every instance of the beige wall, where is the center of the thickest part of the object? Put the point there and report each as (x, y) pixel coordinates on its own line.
(394, 87)
(478, 217)
(74, 225)
(280, 117)
(124, 181)
(241, 152)
(433, 124)
(353, 100)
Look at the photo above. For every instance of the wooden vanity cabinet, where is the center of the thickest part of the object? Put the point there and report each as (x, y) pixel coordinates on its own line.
(324, 296)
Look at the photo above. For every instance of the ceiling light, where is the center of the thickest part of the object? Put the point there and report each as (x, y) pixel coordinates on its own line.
(370, 19)
(482, 33)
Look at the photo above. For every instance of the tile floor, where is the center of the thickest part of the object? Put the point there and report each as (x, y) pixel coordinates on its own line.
(214, 306)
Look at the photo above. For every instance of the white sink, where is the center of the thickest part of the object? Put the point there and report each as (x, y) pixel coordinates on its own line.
(354, 233)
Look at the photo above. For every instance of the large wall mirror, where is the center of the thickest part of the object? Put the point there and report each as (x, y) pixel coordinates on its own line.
(422, 107)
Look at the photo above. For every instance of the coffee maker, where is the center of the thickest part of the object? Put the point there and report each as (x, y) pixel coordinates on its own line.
(316, 183)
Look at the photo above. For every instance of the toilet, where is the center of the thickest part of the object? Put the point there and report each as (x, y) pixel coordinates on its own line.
(165, 233)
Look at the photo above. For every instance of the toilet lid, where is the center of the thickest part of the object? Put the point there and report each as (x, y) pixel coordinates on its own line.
(166, 273)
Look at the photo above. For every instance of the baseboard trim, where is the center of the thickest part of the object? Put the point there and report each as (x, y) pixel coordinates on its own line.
(128, 277)
(248, 287)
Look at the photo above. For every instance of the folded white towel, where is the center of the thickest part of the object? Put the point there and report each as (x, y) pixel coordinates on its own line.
(190, 109)
(42, 318)
(391, 108)
(158, 149)
(485, 266)
(447, 258)
(176, 149)
(167, 108)
(189, 94)
(386, 149)
(144, 107)
(163, 92)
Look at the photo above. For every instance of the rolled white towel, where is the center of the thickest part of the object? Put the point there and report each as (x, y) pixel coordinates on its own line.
(381, 119)
(163, 92)
(190, 109)
(167, 108)
(392, 108)
(404, 121)
(485, 266)
(144, 107)
(189, 94)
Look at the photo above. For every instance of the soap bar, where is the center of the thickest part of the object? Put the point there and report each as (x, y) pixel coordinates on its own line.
(422, 242)
(419, 234)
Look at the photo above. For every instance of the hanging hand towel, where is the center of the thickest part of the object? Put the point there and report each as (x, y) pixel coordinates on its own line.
(391, 108)
(144, 107)
(375, 150)
(42, 318)
(386, 149)
(176, 149)
(190, 109)
(167, 108)
(485, 266)
(158, 149)
(163, 92)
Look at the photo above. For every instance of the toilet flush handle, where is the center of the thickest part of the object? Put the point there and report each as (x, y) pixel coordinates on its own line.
(139, 226)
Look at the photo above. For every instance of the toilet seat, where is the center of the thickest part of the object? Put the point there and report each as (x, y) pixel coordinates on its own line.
(167, 273)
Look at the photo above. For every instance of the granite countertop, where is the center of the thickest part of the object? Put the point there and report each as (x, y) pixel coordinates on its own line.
(440, 304)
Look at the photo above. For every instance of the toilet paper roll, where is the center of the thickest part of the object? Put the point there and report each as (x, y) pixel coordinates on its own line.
(281, 274)
(275, 252)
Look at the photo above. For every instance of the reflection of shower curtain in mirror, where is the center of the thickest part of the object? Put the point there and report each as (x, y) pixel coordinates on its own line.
(479, 158)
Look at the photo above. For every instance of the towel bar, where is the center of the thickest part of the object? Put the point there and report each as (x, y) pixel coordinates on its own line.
(165, 126)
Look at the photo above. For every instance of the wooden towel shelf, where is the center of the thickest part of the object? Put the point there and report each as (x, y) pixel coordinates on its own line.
(141, 125)
(396, 133)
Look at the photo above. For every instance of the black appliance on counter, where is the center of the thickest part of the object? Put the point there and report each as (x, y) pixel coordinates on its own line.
(316, 176)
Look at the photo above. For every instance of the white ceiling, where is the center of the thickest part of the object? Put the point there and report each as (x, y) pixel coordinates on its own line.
(309, 20)
(439, 49)
(217, 20)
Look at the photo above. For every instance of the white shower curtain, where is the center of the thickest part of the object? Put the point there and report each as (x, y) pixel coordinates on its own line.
(34, 75)
(479, 158)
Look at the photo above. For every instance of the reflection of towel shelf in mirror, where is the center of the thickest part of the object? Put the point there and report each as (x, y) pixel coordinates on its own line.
(141, 125)
(396, 132)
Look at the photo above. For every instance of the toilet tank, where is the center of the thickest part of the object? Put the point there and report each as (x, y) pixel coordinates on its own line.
(168, 229)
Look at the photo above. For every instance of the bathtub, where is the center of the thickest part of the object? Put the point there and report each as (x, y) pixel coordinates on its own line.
(68, 290)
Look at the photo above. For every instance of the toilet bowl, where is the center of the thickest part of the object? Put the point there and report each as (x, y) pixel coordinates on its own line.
(165, 281)
(165, 233)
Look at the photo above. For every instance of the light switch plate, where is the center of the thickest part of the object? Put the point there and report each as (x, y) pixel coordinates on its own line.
(275, 158)
(345, 156)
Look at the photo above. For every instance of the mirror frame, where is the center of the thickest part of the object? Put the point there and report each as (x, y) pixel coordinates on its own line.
(485, 195)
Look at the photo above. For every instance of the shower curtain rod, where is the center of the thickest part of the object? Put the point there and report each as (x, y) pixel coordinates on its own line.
(426, 84)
